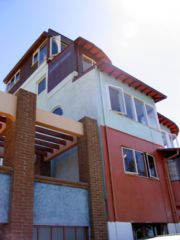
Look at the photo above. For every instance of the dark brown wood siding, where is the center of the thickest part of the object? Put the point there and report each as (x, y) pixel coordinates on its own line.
(61, 66)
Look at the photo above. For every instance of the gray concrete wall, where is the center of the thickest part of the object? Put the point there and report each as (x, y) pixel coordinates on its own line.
(60, 205)
(5, 183)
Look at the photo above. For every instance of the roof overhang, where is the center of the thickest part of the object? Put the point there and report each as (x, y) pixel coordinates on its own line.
(92, 50)
(131, 81)
(168, 123)
(169, 153)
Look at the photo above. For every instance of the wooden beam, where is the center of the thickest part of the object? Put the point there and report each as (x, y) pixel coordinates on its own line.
(50, 139)
(37, 147)
(38, 152)
(47, 144)
(58, 123)
(53, 133)
(2, 119)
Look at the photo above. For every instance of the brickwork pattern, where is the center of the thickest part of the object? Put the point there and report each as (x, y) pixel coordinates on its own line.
(90, 171)
(19, 154)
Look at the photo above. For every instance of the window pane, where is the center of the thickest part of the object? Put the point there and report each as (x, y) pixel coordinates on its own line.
(42, 86)
(129, 160)
(55, 48)
(173, 140)
(42, 55)
(116, 98)
(87, 63)
(57, 233)
(164, 138)
(58, 111)
(140, 110)
(151, 165)
(81, 234)
(140, 164)
(70, 233)
(44, 234)
(129, 106)
(35, 59)
(151, 117)
(63, 46)
(17, 76)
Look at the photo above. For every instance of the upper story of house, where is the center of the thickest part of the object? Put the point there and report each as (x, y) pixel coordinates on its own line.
(76, 79)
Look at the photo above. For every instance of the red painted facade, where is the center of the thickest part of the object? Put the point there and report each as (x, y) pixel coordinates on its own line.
(176, 190)
(133, 198)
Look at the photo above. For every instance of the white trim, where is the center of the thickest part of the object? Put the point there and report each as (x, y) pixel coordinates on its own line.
(14, 77)
(58, 42)
(38, 82)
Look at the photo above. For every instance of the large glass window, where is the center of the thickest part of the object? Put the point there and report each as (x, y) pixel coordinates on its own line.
(140, 110)
(116, 99)
(129, 106)
(86, 63)
(139, 163)
(152, 121)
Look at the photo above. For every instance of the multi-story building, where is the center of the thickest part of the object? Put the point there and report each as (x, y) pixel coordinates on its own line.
(138, 148)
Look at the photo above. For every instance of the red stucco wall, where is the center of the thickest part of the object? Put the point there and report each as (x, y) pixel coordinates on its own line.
(133, 198)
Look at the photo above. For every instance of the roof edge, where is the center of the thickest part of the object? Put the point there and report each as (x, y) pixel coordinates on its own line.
(168, 123)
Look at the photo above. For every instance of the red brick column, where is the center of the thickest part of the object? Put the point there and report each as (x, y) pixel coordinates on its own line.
(90, 171)
(19, 154)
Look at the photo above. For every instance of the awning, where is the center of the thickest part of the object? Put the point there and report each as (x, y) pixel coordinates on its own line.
(169, 152)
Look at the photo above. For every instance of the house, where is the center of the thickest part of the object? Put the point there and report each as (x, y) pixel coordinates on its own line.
(114, 159)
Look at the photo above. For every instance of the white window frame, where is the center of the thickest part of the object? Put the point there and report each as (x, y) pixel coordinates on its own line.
(14, 77)
(38, 52)
(147, 154)
(133, 105)
(109, 99)
(146, 162)
(58, 40)
(167, 135)
(156, 116)
(38, 82)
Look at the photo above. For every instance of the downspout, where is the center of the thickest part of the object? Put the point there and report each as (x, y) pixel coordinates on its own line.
(170, 190)
(106, 139)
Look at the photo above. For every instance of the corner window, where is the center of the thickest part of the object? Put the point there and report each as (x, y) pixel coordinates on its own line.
(42, 85)
(58, 111)
(116, 99)
(152, 120)
(87, 63)
(13, 81)
(169, 140)
(40, 55)
(139, 163)
(55, 45)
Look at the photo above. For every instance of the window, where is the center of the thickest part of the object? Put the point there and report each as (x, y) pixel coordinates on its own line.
(1, 161)
(169, 140)
(42, 85)
(151, 166)
(140, 110)
(63, 46)
(87, 63)
(152, 120)
(174, 168)
(55, 45)
(129, 106)
(116, 99)
(60, 233)
(58, 111)
(132, 108)
(13, 81)
(139, 163)
(40, 55)
(148, 230)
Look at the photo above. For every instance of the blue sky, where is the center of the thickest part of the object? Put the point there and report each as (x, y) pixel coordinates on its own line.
(141, 37)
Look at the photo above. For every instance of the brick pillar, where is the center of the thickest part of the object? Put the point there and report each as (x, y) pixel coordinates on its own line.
(19, 154)
(90, 171)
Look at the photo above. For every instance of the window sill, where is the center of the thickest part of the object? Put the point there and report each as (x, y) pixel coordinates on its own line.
(137, 175)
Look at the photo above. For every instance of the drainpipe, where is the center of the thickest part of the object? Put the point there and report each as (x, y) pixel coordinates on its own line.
(170, 190)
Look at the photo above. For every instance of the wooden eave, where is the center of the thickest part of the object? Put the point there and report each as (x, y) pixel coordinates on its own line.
(133, 82)
(92, 51)
(168, 123)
